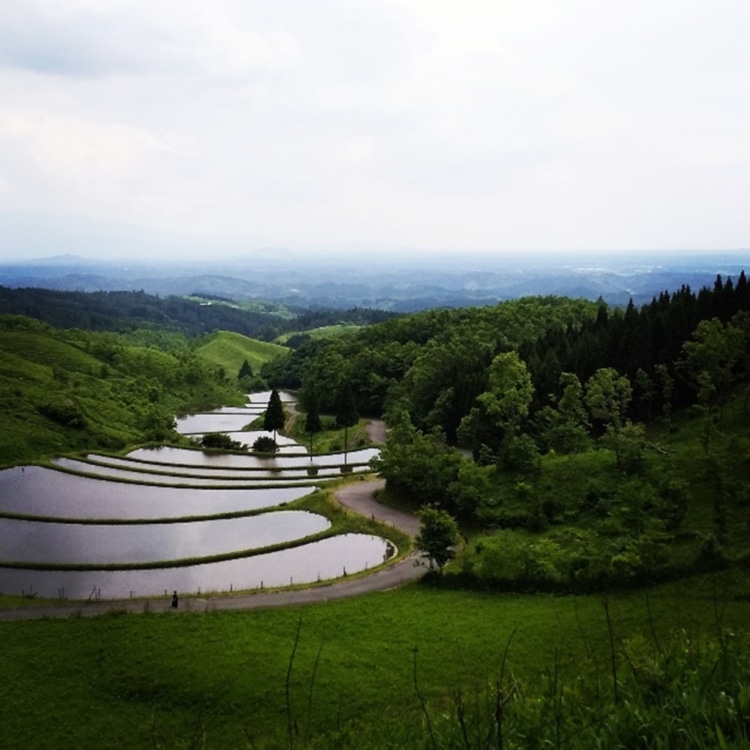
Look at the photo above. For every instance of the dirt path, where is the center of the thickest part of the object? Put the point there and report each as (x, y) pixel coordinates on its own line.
(359, 497)
(376, 431)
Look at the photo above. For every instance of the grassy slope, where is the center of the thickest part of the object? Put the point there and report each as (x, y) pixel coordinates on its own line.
(102, 398)
(38, 369)
(229, 350)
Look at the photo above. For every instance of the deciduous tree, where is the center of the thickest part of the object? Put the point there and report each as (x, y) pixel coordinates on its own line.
(437, 536)
(501, 409)
(608, 396)
(709, 361)
(569, 431)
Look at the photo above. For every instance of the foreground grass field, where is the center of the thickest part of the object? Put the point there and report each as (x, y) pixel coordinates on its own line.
(222, 680)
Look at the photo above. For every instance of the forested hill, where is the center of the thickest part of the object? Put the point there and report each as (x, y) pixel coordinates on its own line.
(129, 310)
(437, 359)
(610, 447)
(438, 364)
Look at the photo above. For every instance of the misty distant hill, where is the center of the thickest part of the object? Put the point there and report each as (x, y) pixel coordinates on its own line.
(385, 282)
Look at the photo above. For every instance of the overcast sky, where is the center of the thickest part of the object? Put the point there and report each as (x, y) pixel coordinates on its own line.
(505, 125)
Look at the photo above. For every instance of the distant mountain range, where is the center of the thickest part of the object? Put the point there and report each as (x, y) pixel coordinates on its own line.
(388, 282)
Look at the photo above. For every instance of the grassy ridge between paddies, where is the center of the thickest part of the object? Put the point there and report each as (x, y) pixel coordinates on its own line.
(229, 350)
(223, 679)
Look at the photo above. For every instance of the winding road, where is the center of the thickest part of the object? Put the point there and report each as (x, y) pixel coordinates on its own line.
(359, 497)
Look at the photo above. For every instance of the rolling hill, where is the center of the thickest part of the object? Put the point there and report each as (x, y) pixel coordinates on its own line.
(229, 350)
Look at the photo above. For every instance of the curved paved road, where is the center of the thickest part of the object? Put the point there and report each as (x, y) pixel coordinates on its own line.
(359, 497)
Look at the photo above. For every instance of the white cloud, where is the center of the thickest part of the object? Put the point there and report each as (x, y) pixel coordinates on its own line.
(198, 38)
(355, 151)
(525, 123)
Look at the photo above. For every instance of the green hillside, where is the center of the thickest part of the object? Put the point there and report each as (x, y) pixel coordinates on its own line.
(78, 390)
(229, 350)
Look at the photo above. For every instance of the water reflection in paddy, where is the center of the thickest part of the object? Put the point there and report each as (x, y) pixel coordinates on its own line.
(70, 543)
(39, 491)
(253, 410)
(248, 437)
(225, 418)
(262, 398)
(197, 423)
(185, 456)
(322, 560)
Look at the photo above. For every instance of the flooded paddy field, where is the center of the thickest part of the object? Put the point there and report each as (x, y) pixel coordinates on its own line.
(157, 507)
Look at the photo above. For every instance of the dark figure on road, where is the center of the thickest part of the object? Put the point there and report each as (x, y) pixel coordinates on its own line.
(175, 601)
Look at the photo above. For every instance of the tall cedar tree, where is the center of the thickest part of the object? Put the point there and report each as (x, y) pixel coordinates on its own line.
(346, 415)
(274, 418)
(245, 370)
(312, 420)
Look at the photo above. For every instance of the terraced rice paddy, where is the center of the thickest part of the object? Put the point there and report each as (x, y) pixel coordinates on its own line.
(35, 491)
(90, 544)
(316, 561)
(156, 521)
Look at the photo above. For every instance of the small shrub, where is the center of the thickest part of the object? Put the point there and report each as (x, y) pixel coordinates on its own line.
(220, 441)
(66, 415)
(265, 444)
(502, 518)
(711, 551)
